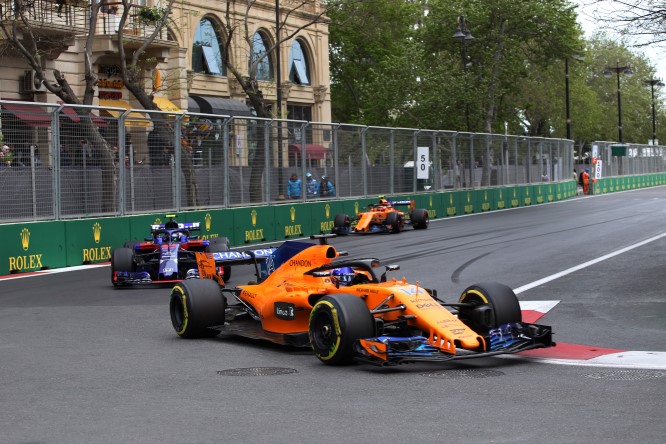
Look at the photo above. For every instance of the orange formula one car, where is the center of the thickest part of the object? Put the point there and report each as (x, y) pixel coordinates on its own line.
(307, 295)
(382, 217)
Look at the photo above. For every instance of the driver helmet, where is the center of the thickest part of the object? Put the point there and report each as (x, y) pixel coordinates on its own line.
(384, 202)
(342, 276)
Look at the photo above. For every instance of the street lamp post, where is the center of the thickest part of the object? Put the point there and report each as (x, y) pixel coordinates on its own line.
(652, 83)
(617, 69)
(464, 36)
(567, 97)
(278, 79)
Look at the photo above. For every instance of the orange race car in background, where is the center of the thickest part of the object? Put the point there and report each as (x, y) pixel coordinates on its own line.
(307, 295)
(382, 217)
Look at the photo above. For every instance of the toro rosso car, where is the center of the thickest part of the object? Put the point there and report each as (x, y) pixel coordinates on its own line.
(382, 217)
(307, 295)
(169, 255)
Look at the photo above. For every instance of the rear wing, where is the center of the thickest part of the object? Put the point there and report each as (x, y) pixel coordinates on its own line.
(403, 203)
(189, 226)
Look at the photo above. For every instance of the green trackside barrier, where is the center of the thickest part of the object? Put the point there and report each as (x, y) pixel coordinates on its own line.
(527, 194)
(515, 196)
(468, 199)
(486, 199)
(139, 226)
(254, 224)
(91, 240)
(323, 215)
(432, 203)
(32, 246)
(292, 220)
(452, 203)
(502, 200)
(353, 207)
(213, 223)
(551, 192)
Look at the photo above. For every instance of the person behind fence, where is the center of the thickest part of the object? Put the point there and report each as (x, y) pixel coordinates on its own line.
(585, 175)
(326, 188)
(294, 187)
(311, 186)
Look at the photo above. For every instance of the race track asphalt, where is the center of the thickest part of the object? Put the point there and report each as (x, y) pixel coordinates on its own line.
(82, 362)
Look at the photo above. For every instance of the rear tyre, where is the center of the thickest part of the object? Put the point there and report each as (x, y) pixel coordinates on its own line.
(336, 323)
(341, 224)
(196, 305)
(420, 219)
(493, 305)
(122, 259)
(393, 222)
(220, 245)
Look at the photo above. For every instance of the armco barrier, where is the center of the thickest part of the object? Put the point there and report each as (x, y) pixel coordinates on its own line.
(33, 246)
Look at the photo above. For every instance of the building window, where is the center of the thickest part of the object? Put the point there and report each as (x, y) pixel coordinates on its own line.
(299, 67)
(264, 67)
(207, 54)
(298, 112)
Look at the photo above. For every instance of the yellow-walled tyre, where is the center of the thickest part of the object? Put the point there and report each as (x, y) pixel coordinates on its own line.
(336, 323)
(195, 306)
(492, 305)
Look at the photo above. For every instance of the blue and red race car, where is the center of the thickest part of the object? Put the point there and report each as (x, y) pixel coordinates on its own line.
(171, 254)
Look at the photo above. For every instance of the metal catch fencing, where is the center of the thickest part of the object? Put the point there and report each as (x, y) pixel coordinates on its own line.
(77, 161)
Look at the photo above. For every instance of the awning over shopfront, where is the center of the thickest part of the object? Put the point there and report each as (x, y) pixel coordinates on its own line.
(133, 119)
(192, 105)
(32, 115)
(76, 118)
(166, 105)
(221, 106)
(311, 151)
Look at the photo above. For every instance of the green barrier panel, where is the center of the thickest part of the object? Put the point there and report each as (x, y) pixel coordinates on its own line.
(213, 223)
(254, 224)
(452, 203)
(485, 199)
(528, 195)
(433, 205)
(91, 240)
(323, 215)
(293, 220)
(139, 226)
(32, 246)
(538, 194)
(515, 196)
(353, 207)
(469, 199)
(502, 200)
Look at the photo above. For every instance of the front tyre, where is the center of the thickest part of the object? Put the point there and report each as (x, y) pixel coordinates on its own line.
(336, 323)
(196, 305)
(492, 305)
(393, 222)
(122, 259)
(341, 224)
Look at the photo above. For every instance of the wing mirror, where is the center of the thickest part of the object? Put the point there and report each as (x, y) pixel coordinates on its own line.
(389, 268)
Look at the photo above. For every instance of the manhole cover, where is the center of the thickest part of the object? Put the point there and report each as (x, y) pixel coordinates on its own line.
(257, 371)
(463, 374)
(628, 375)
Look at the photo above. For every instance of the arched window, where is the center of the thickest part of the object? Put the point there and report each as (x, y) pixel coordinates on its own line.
(299, 68)
(207, 51)
(264, 68)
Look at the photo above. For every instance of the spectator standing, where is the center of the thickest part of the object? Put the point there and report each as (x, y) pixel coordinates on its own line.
(326, 188)
(311, 186)
(586, 180)
(294, 187)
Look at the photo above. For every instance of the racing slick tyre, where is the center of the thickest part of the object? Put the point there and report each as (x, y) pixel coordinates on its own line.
(219, 245)
(336, 323)
(195, 306)
(493, 304)
(420, 219)
(341, 224)
(122, 259)
(393, 222)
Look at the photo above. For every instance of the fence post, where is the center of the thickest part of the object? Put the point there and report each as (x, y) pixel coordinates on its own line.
(364, 166)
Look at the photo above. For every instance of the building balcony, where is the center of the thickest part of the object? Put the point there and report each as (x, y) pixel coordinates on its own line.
(140, 25)
(50, 18)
